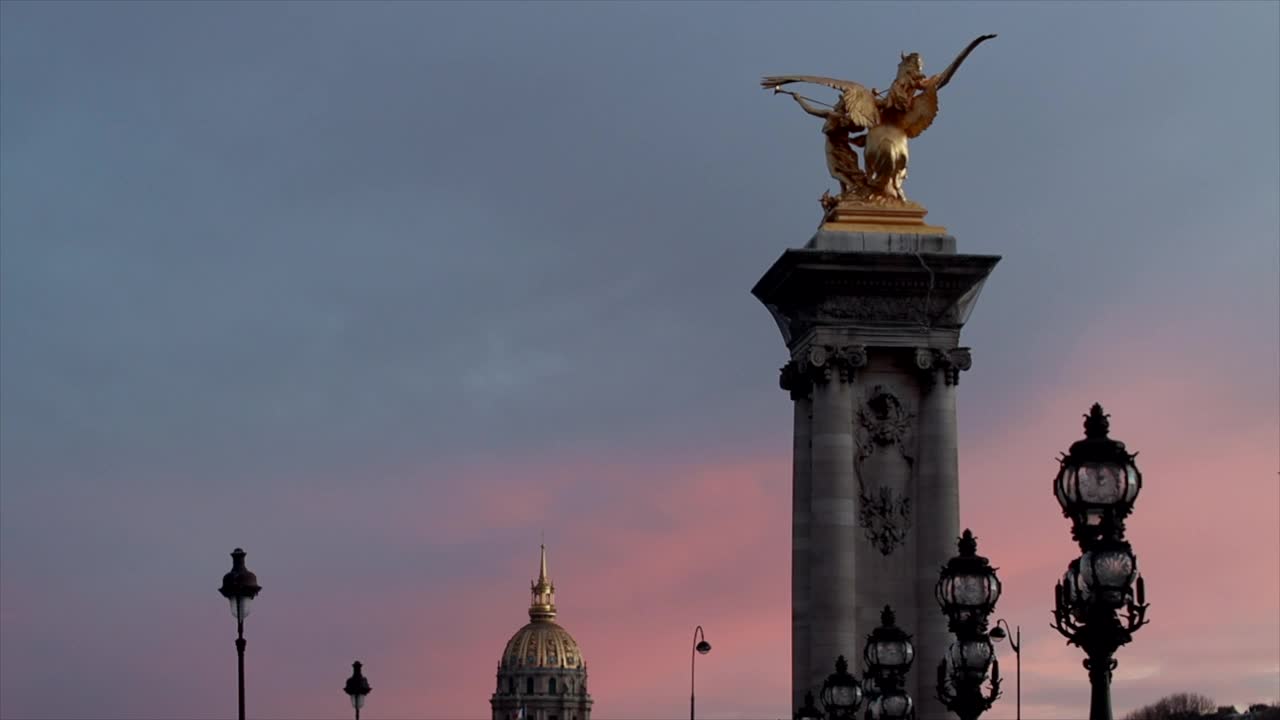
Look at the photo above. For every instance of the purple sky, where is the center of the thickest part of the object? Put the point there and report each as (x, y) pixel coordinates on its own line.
(382, 292)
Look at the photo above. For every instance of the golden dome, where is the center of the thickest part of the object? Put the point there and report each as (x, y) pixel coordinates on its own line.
(542, 643)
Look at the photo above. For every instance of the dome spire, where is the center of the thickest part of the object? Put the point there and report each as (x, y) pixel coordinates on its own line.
(543, 605)
(542, 566)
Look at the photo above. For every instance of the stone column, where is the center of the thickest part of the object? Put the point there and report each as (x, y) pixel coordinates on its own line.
(848, 293)
(832, 522)
(800, 386)
(938, 497)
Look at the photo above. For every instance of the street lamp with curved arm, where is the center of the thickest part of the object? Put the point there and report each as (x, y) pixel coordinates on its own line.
(700, 647)
(1014, 635)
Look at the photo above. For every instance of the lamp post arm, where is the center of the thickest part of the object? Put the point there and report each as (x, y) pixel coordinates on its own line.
(693, 657)
(1013, 636)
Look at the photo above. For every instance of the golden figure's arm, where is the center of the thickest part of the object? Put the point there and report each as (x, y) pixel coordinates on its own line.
(940, 80)
(803, 103)
(859, 104)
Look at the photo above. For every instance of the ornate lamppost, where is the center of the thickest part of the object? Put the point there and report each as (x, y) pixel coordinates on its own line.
(967, 591)
(870, 691)
(357, 687)
(1099, 603)
(700, 647)
(999, 633)
(841, 693)
(808, 711)
(888, 654)
(240, 587)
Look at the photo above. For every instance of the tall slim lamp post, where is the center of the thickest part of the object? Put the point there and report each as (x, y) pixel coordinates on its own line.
(1099, 603)
(999, 633)
(357, 687)
(967, 592)
(239, 587)
(700, 647)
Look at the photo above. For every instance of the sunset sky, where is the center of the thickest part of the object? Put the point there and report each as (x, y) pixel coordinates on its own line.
(385, 292)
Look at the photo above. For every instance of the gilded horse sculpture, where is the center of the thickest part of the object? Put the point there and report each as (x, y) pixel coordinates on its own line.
(889, 119)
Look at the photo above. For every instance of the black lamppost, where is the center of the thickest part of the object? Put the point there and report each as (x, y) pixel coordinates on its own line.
(841, 693)
(1096, 486)
(888, 654)
(999, 633)
(240, 586)
(700, 647)
(808, 711)
(870, 691)
(967, 592)
(357, 687)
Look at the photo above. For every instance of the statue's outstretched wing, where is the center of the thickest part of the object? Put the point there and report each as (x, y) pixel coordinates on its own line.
(859, 102)
(924, 108)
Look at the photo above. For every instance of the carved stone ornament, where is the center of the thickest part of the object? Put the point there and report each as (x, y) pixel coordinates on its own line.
(951, 362)
(795, 381)
(883, 515)
(885, 518)
(879, 309)
(799, 375)
(884, 421)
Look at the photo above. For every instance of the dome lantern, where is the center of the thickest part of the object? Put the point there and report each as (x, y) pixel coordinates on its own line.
(543, 604)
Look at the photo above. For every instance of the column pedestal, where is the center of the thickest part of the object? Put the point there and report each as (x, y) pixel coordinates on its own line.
(872, 321)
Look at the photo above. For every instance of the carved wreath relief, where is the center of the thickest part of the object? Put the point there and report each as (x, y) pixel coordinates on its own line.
(883, 423)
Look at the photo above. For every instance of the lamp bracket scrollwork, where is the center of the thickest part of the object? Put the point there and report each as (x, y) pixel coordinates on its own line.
(1094, 626)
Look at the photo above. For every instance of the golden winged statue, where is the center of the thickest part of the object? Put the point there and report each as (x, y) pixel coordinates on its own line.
(889, 119)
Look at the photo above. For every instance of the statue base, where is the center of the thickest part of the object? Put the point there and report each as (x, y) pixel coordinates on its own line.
(891, 216)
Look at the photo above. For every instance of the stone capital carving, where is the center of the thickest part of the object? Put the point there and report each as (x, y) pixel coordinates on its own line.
(843, 358)
(924, 358)
(819, 364)
(951, 362)
(795, 380)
